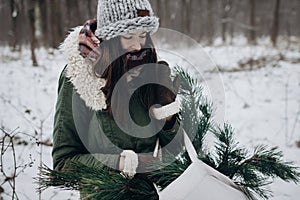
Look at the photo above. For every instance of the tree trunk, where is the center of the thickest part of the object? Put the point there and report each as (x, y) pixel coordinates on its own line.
(252, 33)
(231, 31)
(90, 10)
(210, 22)
(186, 16)
(288, 32)
(275, 26)
(77, 16)
(56, 24)
(49, 27)
(224, 20)
(31, 15)
(166, 13)
(44, 20)
(158, 10)
(38, 22)
(14, 10)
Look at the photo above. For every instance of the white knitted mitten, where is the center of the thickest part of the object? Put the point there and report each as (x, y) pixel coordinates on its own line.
(130, 163)
(165, 111)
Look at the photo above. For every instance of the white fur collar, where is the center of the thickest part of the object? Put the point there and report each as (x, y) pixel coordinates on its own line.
(80, 72)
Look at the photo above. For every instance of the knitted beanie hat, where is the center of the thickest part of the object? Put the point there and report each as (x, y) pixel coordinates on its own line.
(120, 17)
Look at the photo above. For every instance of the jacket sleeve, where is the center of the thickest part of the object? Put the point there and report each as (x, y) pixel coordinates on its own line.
(67, 144)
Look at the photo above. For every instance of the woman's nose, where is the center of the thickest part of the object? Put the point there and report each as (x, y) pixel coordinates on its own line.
(136, 45)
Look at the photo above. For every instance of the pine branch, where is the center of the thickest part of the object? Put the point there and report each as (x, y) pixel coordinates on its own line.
(253, 173)
(97, 183)
(48, 178)
(196, 111)
(230, 159)
(270, 163)
(229, 155)
(257, 171)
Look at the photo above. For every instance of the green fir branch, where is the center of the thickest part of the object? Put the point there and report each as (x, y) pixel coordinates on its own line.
(264, 165)
(196, 111)
(270, 163)
(97, 183)
(64, 180)
(252, 172)
(229, 155)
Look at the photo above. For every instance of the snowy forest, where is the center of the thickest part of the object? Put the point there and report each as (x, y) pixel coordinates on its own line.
(46, 22)
(253, 46)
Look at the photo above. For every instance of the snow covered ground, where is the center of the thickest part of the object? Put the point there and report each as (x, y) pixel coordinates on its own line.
(263, 105)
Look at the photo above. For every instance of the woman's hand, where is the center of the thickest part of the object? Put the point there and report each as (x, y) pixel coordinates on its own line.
(128, 162)
(88, 42)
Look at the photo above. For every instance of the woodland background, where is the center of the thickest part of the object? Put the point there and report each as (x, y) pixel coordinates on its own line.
(254, 43)
(46, 22)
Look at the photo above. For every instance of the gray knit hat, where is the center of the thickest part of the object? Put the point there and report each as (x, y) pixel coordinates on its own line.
(119, 17)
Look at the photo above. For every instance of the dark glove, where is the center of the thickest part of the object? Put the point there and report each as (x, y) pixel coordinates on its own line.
(88, 42)
(146, 162)
(166, 95)
(165, 90)
(163, 93)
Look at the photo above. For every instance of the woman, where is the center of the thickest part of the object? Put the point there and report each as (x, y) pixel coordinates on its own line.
(92, 125)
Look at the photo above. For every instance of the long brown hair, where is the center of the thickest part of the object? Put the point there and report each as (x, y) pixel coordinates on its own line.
(112, 66)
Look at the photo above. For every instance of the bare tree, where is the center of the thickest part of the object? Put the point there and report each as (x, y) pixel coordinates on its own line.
(275, 25)
(210, 21)
(89, 7)
(161, 10)
(202, 19)
(55, 22)
(14, 10)
(33, 41)
(158, 9)
(252, 32)
(42, 22)
(226, 6)
(74, 6)
(186, 5)
(48, 27)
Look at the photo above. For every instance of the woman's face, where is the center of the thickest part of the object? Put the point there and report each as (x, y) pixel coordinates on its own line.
(133, 42)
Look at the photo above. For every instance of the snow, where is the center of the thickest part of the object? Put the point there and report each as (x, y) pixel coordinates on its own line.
(263, 105)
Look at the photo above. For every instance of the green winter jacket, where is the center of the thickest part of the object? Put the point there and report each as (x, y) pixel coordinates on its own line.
(87, 136)
(83, 132)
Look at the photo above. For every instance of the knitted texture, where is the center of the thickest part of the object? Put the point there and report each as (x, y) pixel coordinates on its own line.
(165, 111)
(130, 163)
(120, 17)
